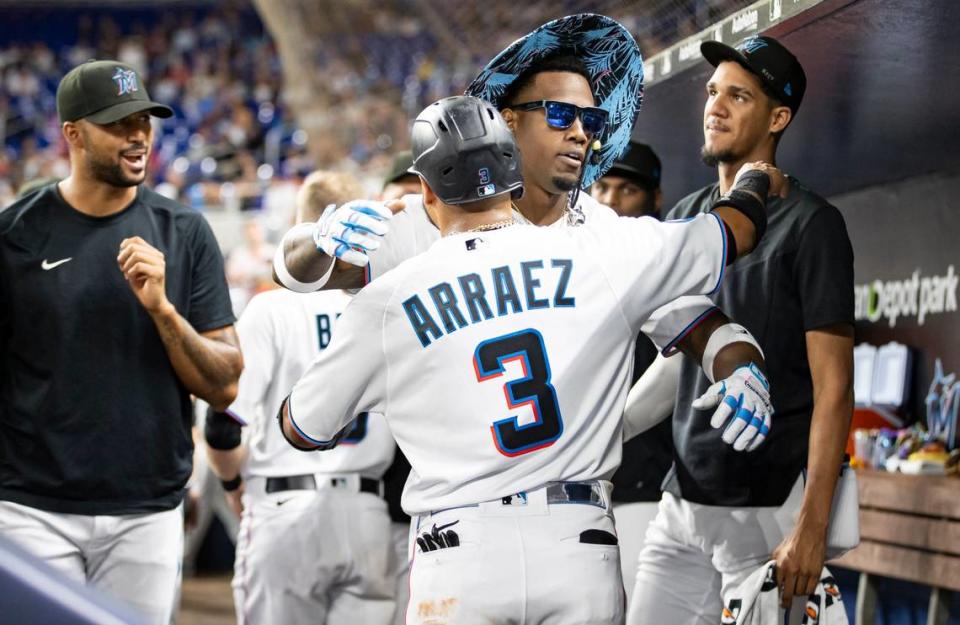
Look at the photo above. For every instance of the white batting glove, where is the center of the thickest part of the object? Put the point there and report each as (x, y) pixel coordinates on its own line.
(744, 406)
(350, 231)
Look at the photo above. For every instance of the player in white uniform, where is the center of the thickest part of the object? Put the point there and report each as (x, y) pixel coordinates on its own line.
(543, 66)
(325, 513)
(501, 358)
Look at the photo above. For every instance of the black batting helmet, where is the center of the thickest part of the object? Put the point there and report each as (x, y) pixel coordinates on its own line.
(464, 150)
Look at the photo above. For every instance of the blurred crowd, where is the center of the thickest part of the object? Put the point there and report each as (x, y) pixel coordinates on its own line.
(230, 125)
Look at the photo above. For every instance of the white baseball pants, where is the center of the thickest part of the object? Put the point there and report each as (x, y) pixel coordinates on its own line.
(522, 561)
(695, 554)
(133, 557)
(322, 556)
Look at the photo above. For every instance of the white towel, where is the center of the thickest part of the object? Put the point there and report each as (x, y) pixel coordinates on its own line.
(756, 601)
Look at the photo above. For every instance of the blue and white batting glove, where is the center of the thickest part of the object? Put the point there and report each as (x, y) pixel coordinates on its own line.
(350, 231)
(744, 407)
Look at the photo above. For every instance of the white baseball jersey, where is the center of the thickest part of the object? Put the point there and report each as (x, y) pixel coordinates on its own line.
(412, 233)
(281, 333)
(502, 359)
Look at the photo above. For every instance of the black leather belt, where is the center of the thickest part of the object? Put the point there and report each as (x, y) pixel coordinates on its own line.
(309, 482)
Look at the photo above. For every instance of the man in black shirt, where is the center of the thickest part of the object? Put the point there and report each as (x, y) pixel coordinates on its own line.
(113, 310)
(723, 513)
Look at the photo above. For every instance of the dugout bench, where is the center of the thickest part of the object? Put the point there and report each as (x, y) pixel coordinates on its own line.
(909, 530)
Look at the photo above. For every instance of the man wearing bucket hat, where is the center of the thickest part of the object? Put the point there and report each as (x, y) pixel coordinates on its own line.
(723, 515)
(113, 310)
(570, 91)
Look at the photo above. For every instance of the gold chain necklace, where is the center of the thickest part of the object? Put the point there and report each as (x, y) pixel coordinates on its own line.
(573, 216)
(503, 223)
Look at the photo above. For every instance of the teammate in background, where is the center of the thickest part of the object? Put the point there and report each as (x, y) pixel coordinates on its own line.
(632, 189)
(560, 110)
(724, 514)
(632, 185)
(113, 310)
(424, 346)
(399, 181)
(324, 512)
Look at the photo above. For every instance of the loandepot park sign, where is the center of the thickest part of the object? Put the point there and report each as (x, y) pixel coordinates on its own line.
(915, 297)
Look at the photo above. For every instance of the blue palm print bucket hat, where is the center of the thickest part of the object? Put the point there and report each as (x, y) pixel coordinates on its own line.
(610, 55)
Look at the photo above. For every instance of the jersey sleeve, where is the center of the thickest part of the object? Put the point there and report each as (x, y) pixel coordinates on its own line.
(349, 376)
(400, 242)
(672, 322)
(650, 263)
(256, 330)
(823, 270)
(210, 306)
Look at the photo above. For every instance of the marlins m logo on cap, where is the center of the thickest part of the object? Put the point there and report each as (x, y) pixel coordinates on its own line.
(751, 45)
(103, 92)
(126, 80)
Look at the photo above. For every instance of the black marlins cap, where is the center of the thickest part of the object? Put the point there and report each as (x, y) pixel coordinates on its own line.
(767, 58)
(103, 92)
(640, 163)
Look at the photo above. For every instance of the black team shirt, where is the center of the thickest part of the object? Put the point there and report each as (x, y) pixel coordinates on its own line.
(94, 418)
(799, 278)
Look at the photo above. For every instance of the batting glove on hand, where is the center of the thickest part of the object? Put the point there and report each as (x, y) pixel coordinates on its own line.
(744, 406)
(350, 231)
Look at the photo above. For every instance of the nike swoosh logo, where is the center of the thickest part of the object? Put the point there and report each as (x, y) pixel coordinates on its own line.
(443, 527)
(47, 265)
(283, 501)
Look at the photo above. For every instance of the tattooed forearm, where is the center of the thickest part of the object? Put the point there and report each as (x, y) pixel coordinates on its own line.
(208, 364)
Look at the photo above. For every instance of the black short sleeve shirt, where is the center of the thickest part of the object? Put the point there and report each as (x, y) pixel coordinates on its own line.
(93, 419)
(799, 278)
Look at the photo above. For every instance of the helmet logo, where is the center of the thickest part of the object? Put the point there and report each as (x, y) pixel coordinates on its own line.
(486, 190)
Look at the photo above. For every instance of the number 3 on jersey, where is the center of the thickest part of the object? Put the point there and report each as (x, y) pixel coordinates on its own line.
(533, 389)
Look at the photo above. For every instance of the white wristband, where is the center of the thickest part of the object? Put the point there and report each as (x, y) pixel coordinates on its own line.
(280, 265)
(721, 337)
